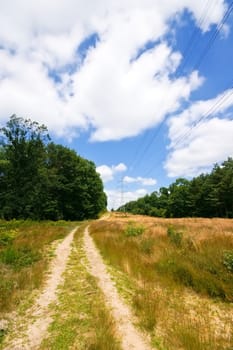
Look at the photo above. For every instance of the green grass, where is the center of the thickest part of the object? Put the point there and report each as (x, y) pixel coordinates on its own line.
(133, 231)
(24, 257)
(81, 320)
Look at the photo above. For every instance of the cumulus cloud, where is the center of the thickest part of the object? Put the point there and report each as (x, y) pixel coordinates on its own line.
(141, 180)
(118, 88)
(107, 172)
(196, 141)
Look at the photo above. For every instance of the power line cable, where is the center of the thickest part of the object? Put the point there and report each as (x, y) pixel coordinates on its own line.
(227, 94)
(212, 110)
(187, 52)
(189, 47)
(196, 66)
(214, 35)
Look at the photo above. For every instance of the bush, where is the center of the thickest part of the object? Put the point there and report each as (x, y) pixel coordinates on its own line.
(19, 257)
(174, 237)
(7, 237)
(228, 260)
(134, 231)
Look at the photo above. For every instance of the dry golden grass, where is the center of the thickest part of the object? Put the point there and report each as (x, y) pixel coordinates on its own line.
(182, 291)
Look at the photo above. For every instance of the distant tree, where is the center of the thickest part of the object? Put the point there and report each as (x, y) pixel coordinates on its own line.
(223, 181)
(179, 201)
(207, 195)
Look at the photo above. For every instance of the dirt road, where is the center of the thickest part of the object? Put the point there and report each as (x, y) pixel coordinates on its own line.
(131, 338)
(38, 317)
(30, 330)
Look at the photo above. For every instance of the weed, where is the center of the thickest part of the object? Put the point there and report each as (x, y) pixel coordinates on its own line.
(7, 237)
(147, 245)
(228, 260)
(19, 257)
(133, 231)
(174, 236)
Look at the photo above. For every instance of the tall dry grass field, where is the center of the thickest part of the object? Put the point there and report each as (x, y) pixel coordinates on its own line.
(180, 273)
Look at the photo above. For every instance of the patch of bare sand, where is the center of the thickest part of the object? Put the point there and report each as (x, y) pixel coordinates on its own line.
(38, 317)
(131, 338)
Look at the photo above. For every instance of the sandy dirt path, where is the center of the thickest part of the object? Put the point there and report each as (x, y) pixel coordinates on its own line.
(130, 336)
(38, 317)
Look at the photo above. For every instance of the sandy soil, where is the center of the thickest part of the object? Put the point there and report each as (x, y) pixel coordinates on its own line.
(38, 317)
(131, 338)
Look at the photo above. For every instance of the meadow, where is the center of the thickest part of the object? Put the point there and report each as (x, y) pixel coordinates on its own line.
(177, 274)
(80, 316)
(26, 248)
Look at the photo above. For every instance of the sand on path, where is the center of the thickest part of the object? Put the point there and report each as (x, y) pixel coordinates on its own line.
(131, 338)
(38, 317)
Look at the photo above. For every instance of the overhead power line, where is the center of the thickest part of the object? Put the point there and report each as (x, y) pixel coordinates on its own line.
(227, 94)
(195, 67)
(214, 36)
(212, 110)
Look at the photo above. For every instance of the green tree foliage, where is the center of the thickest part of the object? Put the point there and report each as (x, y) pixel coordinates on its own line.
(207, 195)
(24, 148)
(42, 180)
(76, 190)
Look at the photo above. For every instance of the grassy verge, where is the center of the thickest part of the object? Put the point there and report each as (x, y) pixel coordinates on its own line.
(25, 250)
(181, 286)
(81, 320)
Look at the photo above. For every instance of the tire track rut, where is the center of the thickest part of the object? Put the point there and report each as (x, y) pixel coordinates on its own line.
(131, 338)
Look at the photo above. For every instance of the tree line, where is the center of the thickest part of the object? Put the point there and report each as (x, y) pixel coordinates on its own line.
(43, 180)
(207, 195)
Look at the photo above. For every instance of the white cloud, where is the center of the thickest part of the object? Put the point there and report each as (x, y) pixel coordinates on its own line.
(107, 172)
(117, 199)
(142, 180)
(120, 167)
(197, 142)
(110, 93)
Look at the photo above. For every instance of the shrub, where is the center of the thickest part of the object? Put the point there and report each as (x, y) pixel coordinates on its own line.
(19, 257)
(7, 237)
(228, 260)
(134, 231)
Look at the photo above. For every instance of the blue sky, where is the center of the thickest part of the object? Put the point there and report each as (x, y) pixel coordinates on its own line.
(142, 88)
